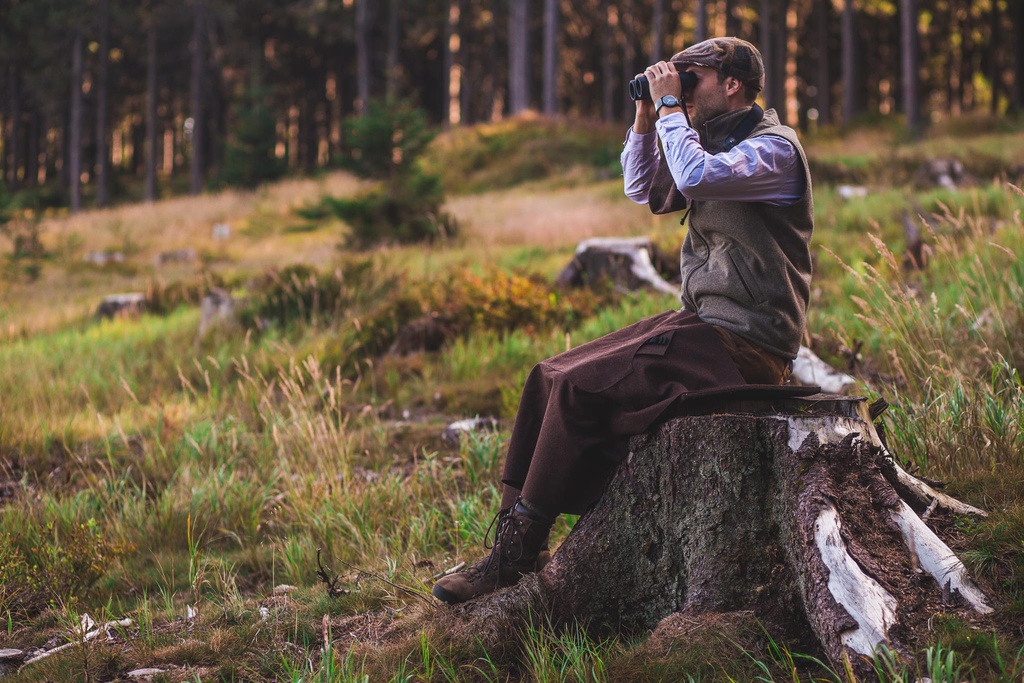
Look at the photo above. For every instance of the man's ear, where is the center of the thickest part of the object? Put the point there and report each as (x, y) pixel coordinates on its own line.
(732, 85)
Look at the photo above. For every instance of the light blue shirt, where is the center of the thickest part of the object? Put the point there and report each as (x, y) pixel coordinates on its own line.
(762, 169)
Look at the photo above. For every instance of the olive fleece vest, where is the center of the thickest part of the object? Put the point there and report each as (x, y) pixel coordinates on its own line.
(746, 266)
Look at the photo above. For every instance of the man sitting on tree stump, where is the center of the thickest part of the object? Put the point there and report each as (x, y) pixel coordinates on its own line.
(746, 267)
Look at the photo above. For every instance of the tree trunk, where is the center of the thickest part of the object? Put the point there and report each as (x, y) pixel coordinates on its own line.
(151, 108)
(607, 63)
(657, 31)
(627, 34)
(518, 56)
(994, 62)
(965, 84)
(307, 139)
(466, 94)
(911, 78)
(700, 19)
(769, 45)
(198, 96)
(35, 131)
(74, 156)
(215, 116)
(493, 88)
(452, 77)
(1017, 95)
(785, 64)
(551, 29)
(824, 84)
(791, 508)
(102, 100)
(364, 70)
(394, 36)
(851, 103)
(732, 22)
(14, 104)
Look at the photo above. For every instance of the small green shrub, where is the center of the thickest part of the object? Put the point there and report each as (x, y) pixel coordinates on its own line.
(407, 210)
(163, 298)
(389, 141)
(299, 293)
(60, 562)
(249, 159)
(27, 251)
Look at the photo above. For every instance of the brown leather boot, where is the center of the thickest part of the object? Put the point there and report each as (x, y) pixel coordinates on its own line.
(520, 547)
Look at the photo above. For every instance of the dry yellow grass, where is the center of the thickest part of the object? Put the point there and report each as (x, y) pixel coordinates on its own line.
(552, 218)
(69, 290)
(188, 221)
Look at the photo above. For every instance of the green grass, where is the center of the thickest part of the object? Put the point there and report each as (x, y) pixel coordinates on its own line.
(170, 474)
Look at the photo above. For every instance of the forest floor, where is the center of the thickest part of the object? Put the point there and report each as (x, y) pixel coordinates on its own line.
(188, 483)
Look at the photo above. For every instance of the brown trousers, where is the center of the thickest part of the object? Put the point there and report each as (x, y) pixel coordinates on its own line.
(579, 408)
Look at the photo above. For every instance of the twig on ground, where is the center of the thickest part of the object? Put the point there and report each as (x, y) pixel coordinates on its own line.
(331, 584)
(333, 590)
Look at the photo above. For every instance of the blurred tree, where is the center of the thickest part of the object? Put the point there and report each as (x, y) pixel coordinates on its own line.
(74, 156)
(198, 96)
(822, 76)
(1017, 93)
(102, 166)
(657, 31)
(364, 67)
(700, 12)
(911, 79)
(249, 159)
(551, 30)
(851, 101)
(518, 56)
(150, 191)
(156, 90)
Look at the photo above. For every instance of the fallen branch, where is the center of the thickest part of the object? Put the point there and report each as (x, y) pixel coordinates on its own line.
(105, 629)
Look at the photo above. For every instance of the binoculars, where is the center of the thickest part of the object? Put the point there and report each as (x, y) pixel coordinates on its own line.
(640, 88)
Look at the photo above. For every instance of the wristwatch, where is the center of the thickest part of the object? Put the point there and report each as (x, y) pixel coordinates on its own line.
(667, 101)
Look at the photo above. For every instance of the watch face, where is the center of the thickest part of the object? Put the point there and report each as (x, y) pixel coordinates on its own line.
(668, 101)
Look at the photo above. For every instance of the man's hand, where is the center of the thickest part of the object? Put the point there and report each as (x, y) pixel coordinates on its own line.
(645, 117)
(664, 80)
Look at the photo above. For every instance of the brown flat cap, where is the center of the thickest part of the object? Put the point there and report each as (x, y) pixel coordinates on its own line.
(731, 56)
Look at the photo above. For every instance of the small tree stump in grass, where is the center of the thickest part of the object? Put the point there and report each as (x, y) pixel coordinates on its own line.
(788, 507)
(121, 305)
(629, 262)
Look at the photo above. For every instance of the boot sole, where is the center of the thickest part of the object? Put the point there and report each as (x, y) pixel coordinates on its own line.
(445, 596)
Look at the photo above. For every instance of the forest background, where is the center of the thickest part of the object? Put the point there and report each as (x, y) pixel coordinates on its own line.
(102, 93)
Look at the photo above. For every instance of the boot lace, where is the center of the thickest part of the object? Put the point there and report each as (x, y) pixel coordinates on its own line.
(507, 545)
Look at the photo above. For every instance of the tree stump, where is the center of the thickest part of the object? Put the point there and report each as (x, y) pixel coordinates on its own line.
(792, 508)
(629, 262)
(121, 305)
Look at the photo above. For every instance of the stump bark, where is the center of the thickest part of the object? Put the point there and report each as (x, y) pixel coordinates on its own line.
(791, 508)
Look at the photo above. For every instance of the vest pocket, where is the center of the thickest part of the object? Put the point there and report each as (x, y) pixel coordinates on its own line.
(750, 283)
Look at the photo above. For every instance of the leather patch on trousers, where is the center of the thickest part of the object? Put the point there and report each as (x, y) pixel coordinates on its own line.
(655, 346)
